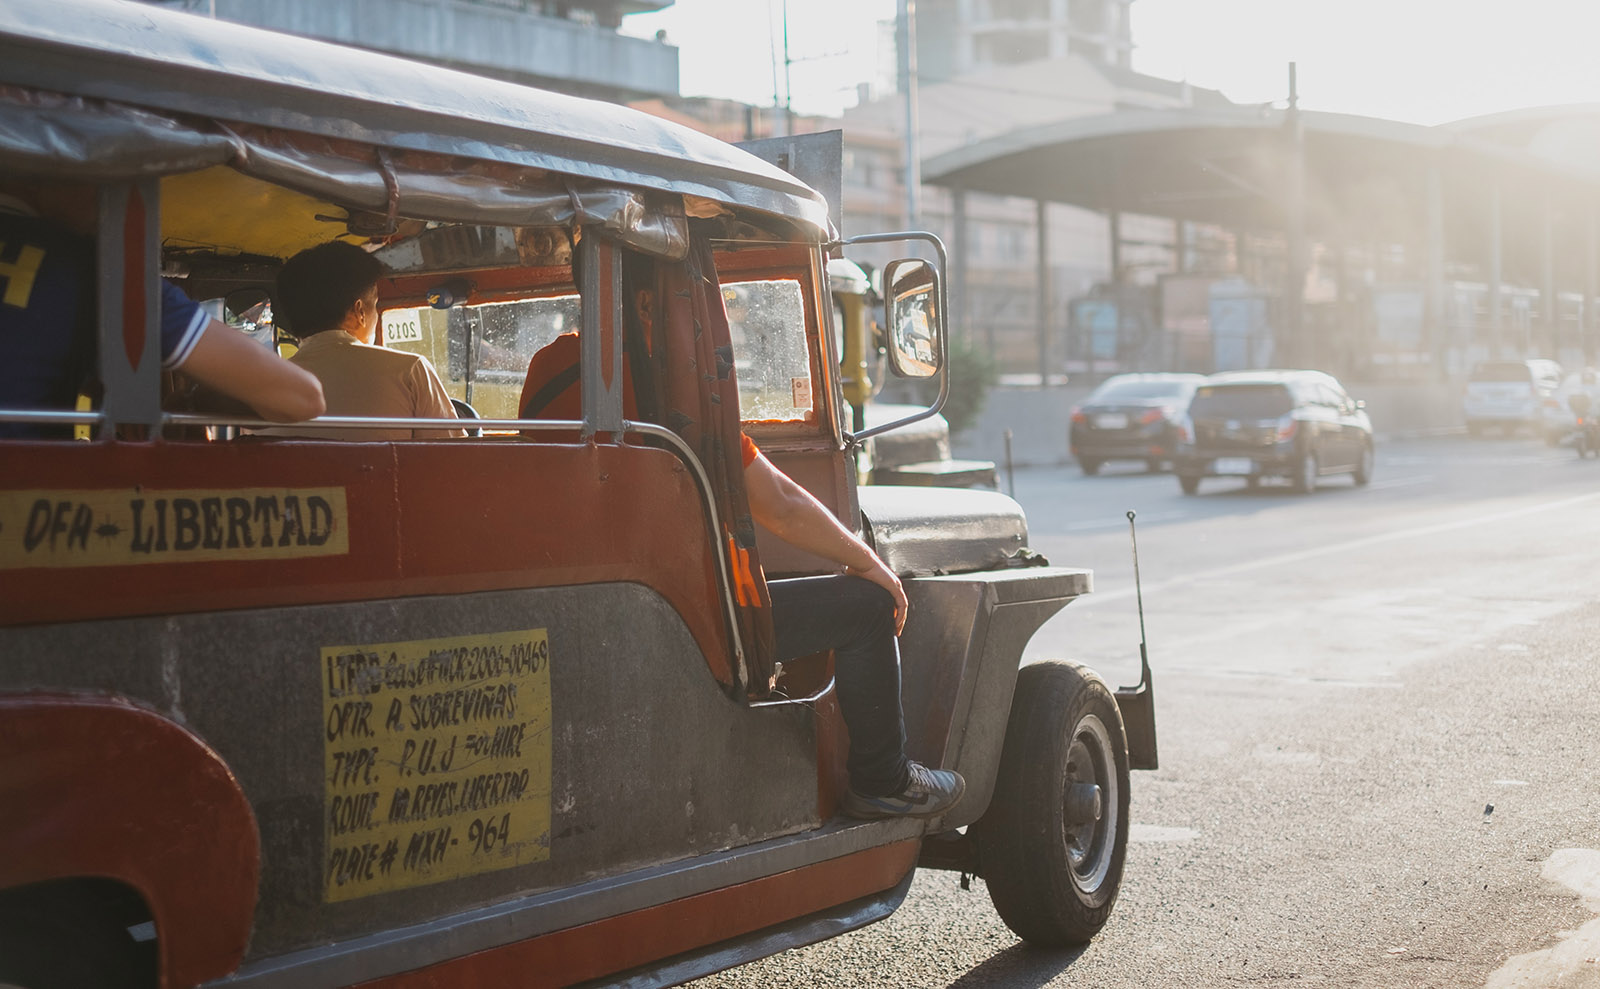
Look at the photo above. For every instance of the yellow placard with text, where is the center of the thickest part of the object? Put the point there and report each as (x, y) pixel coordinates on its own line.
(437, 760)
(127, 526)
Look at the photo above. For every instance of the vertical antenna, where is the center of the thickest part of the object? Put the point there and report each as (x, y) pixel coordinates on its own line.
(1138, 591)
(788, 90)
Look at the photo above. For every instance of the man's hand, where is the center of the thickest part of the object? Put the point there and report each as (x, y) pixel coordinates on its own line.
(880, 574)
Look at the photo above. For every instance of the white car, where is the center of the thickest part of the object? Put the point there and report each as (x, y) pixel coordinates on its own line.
(1509, 394)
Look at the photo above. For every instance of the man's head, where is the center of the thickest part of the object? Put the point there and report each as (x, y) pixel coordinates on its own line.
(328, 287)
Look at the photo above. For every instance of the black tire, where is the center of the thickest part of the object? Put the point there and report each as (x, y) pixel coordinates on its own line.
(1090, 467)
(1054, 879)
(1306, 471)
(1363, 472)
(74, 934)
(1190, 483)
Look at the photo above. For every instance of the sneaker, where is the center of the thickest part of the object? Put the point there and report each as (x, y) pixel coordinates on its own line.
(928, 793)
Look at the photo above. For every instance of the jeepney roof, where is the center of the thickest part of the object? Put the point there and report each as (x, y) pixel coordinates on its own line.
(176, 62)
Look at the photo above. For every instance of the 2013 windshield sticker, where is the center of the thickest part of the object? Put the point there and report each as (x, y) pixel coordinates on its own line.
(122, 527)
(437, 760)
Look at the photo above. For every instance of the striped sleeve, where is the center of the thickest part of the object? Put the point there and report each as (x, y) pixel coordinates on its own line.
(182, 322)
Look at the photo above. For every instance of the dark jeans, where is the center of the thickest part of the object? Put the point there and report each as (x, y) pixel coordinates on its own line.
(854, 618)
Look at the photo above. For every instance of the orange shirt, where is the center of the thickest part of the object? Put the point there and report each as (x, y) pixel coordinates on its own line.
(553, 378)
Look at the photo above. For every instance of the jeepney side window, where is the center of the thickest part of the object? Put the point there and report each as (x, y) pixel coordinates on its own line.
(482, 351)
(767, 322)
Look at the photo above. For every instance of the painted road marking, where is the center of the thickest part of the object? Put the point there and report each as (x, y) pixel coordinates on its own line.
(1299, 556)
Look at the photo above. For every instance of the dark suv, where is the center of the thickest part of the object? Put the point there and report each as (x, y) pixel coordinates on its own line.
(1254, 424)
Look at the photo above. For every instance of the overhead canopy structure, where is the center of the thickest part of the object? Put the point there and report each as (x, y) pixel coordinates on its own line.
(1454, 199)
(1363, 176)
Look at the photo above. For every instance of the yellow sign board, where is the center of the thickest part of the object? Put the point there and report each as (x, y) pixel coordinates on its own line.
(437, 759)
(111, 527)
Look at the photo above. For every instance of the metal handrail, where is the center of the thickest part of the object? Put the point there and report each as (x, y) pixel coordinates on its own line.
(702, 479)
(52, 417)
(629, 428)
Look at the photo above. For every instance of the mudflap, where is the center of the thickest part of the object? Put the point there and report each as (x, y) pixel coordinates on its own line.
(1138, 707)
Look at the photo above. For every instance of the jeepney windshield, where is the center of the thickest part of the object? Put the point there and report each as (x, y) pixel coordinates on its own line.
(482, 351)
(767, 322)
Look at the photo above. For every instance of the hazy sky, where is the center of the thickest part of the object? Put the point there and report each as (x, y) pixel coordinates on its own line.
(1425, 61)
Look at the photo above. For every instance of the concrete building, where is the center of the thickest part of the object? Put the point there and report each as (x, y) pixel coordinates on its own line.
(570, 46)
(959, 37)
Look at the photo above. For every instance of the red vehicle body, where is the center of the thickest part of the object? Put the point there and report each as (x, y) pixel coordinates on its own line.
(290, 711)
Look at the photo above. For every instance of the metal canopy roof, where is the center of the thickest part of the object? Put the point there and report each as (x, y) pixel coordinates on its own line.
(1363, 176)
(178, 62)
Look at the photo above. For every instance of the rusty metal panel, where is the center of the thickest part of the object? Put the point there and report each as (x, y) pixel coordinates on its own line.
(650, 760)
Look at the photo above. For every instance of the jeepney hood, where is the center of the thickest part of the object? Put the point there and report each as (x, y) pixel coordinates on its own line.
(926, 531)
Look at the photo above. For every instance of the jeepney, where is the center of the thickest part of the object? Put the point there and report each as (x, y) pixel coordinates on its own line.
(495, 710)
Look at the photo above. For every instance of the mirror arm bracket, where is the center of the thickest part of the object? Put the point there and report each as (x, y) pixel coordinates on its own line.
(944, 307)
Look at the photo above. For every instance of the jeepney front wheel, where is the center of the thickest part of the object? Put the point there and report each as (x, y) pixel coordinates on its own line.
(1052, 844)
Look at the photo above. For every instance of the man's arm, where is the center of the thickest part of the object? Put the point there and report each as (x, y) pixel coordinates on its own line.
(790, 512)
(230, 362)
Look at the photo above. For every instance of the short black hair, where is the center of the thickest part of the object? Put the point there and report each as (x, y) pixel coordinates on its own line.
(319, 285)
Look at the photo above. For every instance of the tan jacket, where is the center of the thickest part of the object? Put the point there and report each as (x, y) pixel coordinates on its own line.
(359, 379)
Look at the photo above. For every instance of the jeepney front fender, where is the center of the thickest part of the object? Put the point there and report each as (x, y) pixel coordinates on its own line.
(959, 655)
(97, 786)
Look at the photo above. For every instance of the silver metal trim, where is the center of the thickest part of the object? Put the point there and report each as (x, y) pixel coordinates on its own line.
(807, 700)
(51, 416)
(391, 952)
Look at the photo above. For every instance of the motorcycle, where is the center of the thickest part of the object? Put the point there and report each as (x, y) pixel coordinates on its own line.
(1585, 436)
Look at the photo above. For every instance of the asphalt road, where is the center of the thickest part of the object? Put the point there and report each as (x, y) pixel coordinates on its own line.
(1346, 682)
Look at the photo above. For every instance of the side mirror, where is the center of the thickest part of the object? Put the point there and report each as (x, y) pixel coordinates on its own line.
(914, 321)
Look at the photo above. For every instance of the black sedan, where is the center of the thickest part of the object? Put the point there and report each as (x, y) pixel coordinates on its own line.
(1131, 417)
(1300, 425)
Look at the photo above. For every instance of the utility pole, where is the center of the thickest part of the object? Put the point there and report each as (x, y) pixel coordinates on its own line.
(788, 90)
(906, 36)
(1298, 351)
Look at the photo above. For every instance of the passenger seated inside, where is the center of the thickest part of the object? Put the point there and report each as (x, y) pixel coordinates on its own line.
(552, 388)
(48, 339)
(327, 298)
